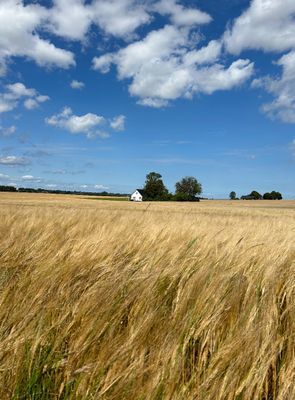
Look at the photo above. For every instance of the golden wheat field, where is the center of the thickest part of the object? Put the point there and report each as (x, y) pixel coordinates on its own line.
(115, 300)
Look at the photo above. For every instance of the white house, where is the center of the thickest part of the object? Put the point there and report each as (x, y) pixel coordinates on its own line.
(136, 196)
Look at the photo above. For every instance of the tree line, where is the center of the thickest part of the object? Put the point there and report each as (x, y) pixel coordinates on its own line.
(4, 188)
(187, 189)
(254, 195)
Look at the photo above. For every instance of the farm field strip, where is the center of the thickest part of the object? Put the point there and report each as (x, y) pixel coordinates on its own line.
(110, 300)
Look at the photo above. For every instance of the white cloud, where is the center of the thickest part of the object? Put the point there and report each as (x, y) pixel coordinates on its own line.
(120, 18)
(153, 102)
(89, 124)
(30, 178)
(14, 160)
(76, 124)
(104, 62)
(217, 77)
(70, 19)
(19, 37)
(27, 177)
(181, 15)
(42, 98)
(17, 90)
(164, 67)
(9, 100)
(31, 104)
(206, 55)
(266, 25)
(118, 123)
(100, 187)
(6, 105)
(283, 90)
(77, 85)
(269, 25)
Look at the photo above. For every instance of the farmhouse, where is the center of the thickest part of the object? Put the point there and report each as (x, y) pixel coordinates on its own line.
(137, 195)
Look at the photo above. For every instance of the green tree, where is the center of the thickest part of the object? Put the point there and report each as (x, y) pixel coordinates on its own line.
(233, 195)
(272, 196)
(256, 195)
(276, 195)
(187, 189)
(267, 196)
(154, 188)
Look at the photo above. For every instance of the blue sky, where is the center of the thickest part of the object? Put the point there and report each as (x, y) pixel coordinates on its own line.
(96, 94)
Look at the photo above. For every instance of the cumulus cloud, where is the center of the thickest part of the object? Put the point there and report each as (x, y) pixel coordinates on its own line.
(163, 67)
(269, 25)
(120, 18)
(31, 104)
(21, 37)
(89, 124)
(17, 90)
(181, 15)
(72, 20)
(14, 161)
(118, 123)
(77, 85)
(9, 100)
(283, 90)
(266, 25)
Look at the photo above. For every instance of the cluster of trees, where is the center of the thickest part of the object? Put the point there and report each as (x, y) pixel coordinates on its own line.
(4, 188)
(254, 195)
(186, 189)
(272, 196)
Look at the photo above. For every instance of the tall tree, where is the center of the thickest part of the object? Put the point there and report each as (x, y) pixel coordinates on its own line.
(154, 188)
(188, 188)
(233, 195)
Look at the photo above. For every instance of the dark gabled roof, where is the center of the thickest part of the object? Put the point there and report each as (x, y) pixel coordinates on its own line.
(141, 191)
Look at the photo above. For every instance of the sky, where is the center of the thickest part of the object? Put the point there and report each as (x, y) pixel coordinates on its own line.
(96, 94)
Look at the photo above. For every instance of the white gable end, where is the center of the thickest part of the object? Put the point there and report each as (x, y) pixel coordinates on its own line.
(136, 196)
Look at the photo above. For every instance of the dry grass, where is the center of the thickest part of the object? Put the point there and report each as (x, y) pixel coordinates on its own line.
(104, 300)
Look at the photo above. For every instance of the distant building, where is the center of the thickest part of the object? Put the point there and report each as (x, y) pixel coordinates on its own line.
(137, 195)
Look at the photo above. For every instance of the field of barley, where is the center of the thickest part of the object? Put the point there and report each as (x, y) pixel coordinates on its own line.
(122, 301)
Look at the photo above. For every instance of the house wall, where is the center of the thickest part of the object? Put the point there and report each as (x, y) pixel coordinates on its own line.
(136, 196)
